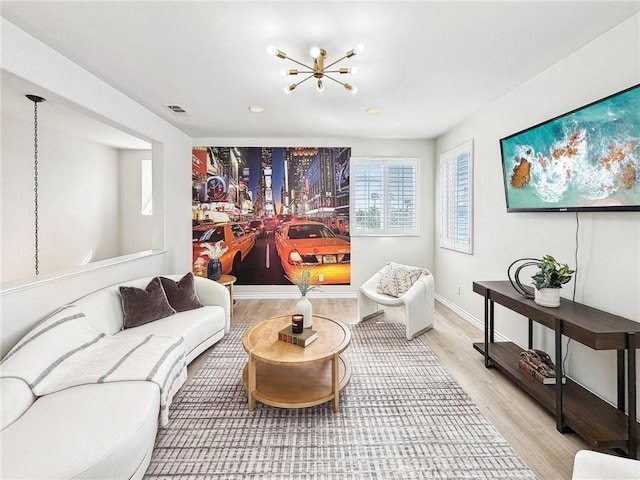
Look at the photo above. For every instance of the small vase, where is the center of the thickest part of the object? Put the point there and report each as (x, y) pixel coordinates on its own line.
(214, 269)
(304, 307)
(547, 297)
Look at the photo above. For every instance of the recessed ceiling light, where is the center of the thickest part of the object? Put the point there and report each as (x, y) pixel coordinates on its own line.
(373, 110)
(256, 109)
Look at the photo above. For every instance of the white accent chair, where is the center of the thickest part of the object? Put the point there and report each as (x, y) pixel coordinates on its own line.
(418, 303)
(588, 465)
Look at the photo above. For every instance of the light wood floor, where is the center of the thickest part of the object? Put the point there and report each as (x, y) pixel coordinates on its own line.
(528, 427)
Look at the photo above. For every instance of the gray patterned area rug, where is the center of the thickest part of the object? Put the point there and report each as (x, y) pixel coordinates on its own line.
(401, 417)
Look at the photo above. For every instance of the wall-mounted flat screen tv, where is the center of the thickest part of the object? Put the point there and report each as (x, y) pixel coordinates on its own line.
(585, 160)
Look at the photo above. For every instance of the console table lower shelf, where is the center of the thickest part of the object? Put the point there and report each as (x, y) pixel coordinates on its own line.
(598, 422)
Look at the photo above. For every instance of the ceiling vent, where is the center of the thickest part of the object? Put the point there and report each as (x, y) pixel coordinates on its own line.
(176, 109)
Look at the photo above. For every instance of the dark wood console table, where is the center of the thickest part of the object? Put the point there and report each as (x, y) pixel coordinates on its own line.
(603, 425)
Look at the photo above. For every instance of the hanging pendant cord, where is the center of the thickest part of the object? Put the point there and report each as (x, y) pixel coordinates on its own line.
(35, 99)
(35, 178)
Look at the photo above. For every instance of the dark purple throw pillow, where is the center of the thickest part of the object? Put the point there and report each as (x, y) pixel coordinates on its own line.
(182, 294)
(144, 306)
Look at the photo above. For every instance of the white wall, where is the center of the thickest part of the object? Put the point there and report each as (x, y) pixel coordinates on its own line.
(59, 79)
(77, 196)
(609, 243)
(136, 230)
(368, 254)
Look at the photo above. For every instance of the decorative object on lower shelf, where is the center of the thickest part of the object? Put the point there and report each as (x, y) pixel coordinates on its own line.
(301, 339)
(539, 365)
(527, 368)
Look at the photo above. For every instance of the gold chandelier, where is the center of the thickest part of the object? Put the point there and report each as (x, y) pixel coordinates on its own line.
(318, 71)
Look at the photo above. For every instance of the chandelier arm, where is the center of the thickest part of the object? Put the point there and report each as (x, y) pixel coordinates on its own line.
(332, 64)
(300, 63)
(337, 81)
(304, 80)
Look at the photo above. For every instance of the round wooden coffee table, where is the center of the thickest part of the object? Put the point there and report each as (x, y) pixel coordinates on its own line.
(284, 375)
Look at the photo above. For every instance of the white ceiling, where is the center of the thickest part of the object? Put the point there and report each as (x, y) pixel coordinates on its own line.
(62, 118)
(427, 65)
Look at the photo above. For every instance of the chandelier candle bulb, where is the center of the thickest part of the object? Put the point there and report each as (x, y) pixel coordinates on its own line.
(273, 51)
(357, 50)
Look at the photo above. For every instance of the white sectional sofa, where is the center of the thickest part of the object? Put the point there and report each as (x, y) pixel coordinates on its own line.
(102, 430)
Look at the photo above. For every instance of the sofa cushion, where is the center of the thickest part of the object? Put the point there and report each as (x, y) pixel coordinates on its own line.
(16, 398)
(95, 431)
(195, 326)
(397, 279)
(181, 294)
(61, 331)
(144, 306)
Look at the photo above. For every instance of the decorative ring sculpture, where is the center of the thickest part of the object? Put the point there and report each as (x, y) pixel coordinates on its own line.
(515, 281)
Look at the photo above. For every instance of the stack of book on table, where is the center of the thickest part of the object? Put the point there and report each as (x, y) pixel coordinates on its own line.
(301, 339)
(538, 364)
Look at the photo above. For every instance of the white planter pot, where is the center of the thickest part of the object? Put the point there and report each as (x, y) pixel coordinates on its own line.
(547, 297)
(304, 307)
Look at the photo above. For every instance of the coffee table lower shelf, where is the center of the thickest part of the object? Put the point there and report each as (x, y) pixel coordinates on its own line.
(300, 386)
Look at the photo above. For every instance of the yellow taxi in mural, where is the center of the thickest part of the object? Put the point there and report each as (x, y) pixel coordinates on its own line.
(312, 244)
(238, 243)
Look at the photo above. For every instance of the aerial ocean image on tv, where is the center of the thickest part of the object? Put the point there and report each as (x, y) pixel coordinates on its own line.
(588, 158)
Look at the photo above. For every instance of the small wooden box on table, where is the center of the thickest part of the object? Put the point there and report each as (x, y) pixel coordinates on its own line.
(603, 425)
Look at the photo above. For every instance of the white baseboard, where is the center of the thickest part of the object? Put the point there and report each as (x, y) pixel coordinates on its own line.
(468, 317)
(280, 295)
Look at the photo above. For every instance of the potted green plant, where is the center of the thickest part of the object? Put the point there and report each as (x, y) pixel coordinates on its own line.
(549, 280)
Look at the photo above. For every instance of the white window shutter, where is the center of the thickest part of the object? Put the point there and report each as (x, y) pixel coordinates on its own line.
(384, 196)
(456, 169)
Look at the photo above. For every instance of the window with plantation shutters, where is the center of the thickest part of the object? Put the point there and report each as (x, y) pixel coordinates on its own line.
(456, 170)
(384, 196)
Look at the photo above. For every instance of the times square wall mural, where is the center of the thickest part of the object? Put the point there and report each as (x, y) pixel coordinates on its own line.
(275, 210)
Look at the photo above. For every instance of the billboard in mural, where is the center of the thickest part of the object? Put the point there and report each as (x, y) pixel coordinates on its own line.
(273, 210)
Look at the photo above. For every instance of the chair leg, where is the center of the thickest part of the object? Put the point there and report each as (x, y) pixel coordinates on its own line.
(367, 307)
(372, 315)
(416, 320)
